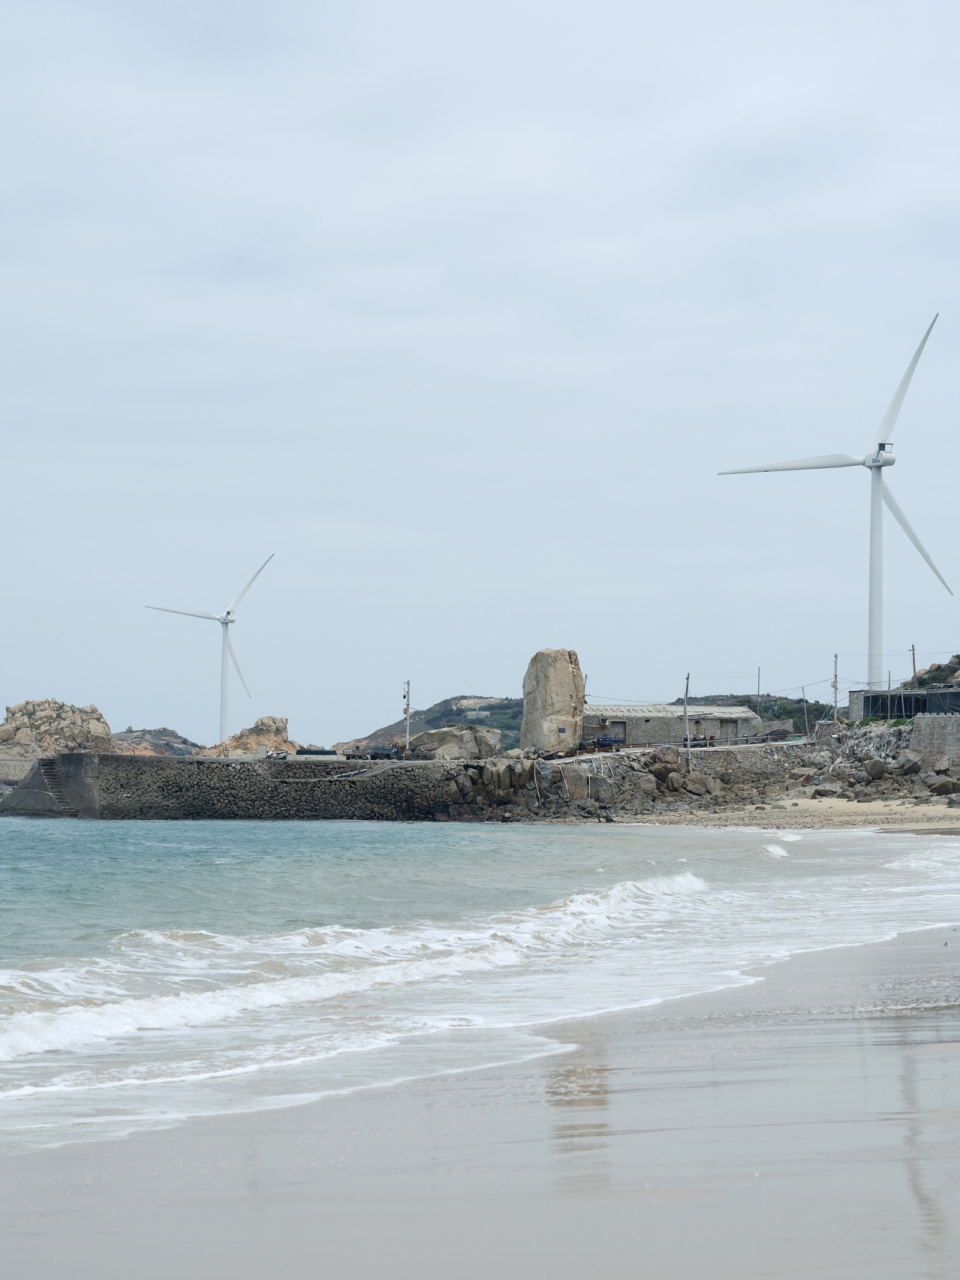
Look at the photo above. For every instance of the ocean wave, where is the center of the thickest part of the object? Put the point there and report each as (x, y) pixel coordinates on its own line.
(240, 976)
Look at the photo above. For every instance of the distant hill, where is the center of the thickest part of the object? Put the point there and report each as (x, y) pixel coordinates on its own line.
(504, 714)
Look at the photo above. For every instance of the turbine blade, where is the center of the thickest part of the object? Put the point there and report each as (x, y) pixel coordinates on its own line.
(885, 432)
(236, 601)
(802, 464)
(897, 512)
(190, 613)
(233, 658)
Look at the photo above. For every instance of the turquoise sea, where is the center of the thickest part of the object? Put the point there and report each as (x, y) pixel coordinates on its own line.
(151, 972)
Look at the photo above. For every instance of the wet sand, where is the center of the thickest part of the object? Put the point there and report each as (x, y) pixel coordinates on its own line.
(805, 1125)
(822, 814)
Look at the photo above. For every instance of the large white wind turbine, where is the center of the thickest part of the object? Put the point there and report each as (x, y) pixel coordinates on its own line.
(880, 456)
(225, 619)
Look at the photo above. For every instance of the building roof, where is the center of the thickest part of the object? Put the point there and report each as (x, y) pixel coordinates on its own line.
(670, 711)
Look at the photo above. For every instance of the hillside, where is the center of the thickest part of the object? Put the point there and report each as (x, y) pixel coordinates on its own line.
(504, 714)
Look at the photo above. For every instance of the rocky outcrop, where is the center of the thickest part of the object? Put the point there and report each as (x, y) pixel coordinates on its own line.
(48, 727)
(454, 743)
(940, 673)
(552, 702)
(154, 742)
(268, 731)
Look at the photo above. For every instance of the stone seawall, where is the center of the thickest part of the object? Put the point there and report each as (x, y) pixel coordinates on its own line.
(141, 787)
(629, 783)
(935, 736)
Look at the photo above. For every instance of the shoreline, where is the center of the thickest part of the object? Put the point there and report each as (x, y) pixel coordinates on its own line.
(816, 815)
(806, 1123)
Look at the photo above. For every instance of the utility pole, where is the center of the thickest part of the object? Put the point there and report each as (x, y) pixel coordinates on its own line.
(406, 708)
(913, 655)
(758, 693)
(686, 721)
(806, 722)
(835, 687)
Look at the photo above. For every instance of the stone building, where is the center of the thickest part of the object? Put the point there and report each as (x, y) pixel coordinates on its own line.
(661, 723)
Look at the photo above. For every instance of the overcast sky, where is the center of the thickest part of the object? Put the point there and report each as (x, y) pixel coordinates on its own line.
(459, 308)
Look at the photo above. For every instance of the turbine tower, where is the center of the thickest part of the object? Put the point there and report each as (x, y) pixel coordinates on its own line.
(226, 619)
(880, 456)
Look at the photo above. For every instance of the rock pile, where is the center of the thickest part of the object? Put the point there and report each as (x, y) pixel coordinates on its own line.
(48, 727)
(879, 762)
(268, 731)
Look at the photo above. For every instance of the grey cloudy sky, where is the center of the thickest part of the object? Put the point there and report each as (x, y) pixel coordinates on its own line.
(459, 308)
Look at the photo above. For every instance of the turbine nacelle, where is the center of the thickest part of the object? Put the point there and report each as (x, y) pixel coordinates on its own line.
(883, 457)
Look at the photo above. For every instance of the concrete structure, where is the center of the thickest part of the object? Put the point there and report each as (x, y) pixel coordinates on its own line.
(662, 723)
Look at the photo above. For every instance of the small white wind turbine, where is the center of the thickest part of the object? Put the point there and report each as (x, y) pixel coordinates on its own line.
(880, 456)
(225, 619)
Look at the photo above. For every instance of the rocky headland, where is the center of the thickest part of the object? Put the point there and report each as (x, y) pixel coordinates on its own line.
(47, 728)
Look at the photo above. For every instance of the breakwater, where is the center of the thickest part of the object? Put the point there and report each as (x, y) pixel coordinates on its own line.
(630, 783)
(110, 786)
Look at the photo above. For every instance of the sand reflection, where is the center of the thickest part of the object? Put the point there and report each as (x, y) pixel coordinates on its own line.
(579, 1087)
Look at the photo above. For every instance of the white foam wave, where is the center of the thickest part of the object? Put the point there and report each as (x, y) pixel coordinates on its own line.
(310, 966)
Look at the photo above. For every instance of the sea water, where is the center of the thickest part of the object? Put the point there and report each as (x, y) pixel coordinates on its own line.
(152, 972)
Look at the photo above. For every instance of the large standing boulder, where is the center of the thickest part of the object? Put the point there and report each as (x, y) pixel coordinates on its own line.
(455, 743)
(552, 702)
(48, 728)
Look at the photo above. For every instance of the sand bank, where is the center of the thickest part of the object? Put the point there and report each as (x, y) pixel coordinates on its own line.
(821, 814)
(808, 1124)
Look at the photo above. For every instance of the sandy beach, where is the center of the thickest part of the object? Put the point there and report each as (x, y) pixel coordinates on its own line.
(809, 814)
(808, 1124)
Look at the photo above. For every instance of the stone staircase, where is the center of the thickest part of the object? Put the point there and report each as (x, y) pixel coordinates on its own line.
(51, 776)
